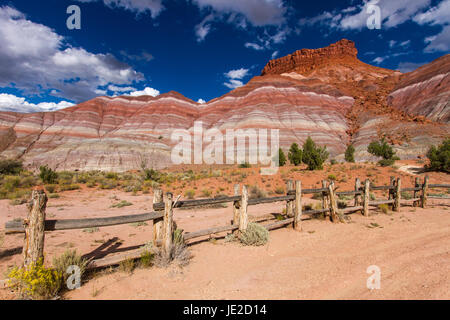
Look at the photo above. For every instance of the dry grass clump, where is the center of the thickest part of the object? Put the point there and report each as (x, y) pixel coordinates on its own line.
(67, 259)
(255, 235)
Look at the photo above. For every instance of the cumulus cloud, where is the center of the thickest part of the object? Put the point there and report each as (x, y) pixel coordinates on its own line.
(440, 42)
(155, 7)
(146, 92)
(38, 62)
(408, 66)
(257, 12)
(203, 28)
(254, 46)
(275, 54)
(267, 40)
(201, 101)
(235, 77)
(10, 102)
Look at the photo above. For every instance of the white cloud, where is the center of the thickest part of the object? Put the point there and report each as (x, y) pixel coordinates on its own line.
(203, 28)
(257, 12)
(393, 13)
(440, 42)
(378, 60)
(155, 7)
(201, 101)
(275, 54)
(254, 46)
(435, 16)
(237, 74)
(233, 84)
(146, 92)
(408, 66)
(10, 102)
(37, 62)
(114, 88)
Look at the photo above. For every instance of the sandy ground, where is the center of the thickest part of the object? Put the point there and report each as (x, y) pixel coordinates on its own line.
(325, 261)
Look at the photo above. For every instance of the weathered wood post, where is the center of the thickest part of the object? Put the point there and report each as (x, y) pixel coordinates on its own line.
(168, 225)
(366, 198)
(333, 203)
(157, 223)
(289, 203)
(34, 224)
(424, 196)
(298, 206)
(397, 194)
(357, 196)
(416, 192)
(325, 197)
(391, 192)
(243, 218)
(236, 206)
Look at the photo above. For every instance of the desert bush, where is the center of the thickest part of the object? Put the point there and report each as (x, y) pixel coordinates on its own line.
(206, 193)
(406, 195)
(440, 157)
(51, 188)
(383, 149)
(122, 204)
(255, 235)
(10, 166)
(386, 162)
(127, 266)
(295, 154)
(178, 253)
(152, 175)
(314, 156)
(279, 190)
(47, 175)
(332, 177)
(384, 208)
(245, 165)
(281, 157)
(257, 193)
(67, 259)
(35, 282)
(190, 194)
(333, 162)
(69, 187)
(350, 154)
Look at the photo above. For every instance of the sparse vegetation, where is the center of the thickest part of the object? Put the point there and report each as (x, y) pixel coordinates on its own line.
(281, 158)
(255, 235)
(122, 204)
(314, 156)
(67, 259)
(439, 157)
(383, 149)
(245, 165)
(10, 167)
(47, 175)
(295, 154)
(350, 154)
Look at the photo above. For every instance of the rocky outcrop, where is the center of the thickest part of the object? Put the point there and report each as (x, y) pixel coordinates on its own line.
(425, 91)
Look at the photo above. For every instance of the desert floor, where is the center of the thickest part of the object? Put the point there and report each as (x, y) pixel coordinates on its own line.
(324, 261)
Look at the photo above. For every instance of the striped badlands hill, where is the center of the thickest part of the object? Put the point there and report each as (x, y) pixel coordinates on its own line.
(327, 94)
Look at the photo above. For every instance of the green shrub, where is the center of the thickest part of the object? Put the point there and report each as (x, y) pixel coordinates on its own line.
(314, 156)
(406, 195)
(67, 259)
(295, 154)
(36, 281)
(384, 208)
(245, 165)
(206, 193)
(440, 157)
(51, 188)
(257, 193)
(279, 190)
(255, 235)
(332, 177)
(10, 166)
(122, 204)
(350, 154)
(333, 162)
(383, 149)
(152, 175)
(386, 162)
(190, 194)
(47, 175)
(281, 158)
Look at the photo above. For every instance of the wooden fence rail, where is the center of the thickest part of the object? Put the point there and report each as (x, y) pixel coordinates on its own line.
(163, 231)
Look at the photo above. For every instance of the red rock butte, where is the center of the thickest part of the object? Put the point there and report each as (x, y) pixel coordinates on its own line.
(327, 94)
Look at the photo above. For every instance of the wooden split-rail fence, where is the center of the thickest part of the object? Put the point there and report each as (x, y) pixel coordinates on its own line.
(36, 224)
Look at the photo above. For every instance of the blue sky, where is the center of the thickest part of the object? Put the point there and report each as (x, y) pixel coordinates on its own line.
(200, 48)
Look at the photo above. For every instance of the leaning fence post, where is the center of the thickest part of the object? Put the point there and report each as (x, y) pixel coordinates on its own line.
(157, 223)
(298, 206)
(424, 196)
(333, 203)
(366, 198)
(33, 248)
(168, 224)
(236, 206)
(289, 203)
(243, 218)
(416, 192)
(391, 191)
(325, 197)
(398, 195)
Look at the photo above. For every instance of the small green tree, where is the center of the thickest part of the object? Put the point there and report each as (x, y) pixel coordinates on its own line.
(47, 175)
(440, 157)
(10, 166)
(295, 154)
(383, 149)
(350, 154)
(313, 155)
(281, 158)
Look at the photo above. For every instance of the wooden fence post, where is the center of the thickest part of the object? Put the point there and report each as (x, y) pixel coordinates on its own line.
(33, 248)
(416, 193)
(243, 218)
(325, 197)
(424, 196)
(157, 223)
(298, 206)
(357, 196)
(366, 198)
(333, 203)
(289, 203)
(168, 225)
(236, 206)
(398, 195)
